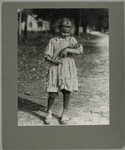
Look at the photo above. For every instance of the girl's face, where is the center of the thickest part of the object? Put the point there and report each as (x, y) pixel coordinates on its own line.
(65, 32)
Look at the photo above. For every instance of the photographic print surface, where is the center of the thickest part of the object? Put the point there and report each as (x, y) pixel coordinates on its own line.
(90, 126)
(90, 104)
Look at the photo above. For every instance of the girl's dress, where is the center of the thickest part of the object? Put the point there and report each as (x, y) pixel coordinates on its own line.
(64, 75)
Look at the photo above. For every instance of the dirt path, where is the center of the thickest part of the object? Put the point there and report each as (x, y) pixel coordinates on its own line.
(90, 105)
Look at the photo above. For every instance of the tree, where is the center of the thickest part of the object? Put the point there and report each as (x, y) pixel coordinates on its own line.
(19, 24)
(22, 17)
(94, 17)
(26, 12)
(80, 17)
(52, 15)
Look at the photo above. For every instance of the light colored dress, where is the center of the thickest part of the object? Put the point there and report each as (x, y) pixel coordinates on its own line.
(64, 75)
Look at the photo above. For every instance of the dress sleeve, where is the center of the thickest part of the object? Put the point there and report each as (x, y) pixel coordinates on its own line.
(80, 48)
(49, 49)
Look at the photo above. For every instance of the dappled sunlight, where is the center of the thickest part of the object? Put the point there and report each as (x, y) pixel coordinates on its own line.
(88, 106)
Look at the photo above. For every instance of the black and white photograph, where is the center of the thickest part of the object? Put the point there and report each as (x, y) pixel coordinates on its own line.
(63, 66)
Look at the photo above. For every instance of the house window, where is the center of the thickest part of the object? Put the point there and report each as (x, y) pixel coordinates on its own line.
(30, 24)
(40, 24)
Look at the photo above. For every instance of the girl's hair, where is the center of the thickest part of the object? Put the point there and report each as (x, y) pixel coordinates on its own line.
(65, 22)
(60, 23)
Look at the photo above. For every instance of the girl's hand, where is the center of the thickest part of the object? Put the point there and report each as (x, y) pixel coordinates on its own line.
(64, 52)
(57, 61)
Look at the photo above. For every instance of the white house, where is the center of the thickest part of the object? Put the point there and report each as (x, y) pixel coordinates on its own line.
(34, 24)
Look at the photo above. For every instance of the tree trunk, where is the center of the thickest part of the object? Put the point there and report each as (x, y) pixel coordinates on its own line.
(76, 21)
(77, 26)
(51, 25)
(80, 20)
(25, 29)
(85, 28)
(46, 30)
(19, 25)
(98, 27)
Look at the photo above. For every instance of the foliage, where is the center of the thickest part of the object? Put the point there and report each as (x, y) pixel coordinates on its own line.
(89, 17)
(97, 18)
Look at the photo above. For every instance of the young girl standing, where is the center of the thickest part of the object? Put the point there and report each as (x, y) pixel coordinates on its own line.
(62, 75)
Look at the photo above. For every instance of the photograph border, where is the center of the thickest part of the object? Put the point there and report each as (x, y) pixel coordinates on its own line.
(59, 137)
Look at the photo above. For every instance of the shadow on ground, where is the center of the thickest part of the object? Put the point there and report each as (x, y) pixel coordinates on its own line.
(30, 107)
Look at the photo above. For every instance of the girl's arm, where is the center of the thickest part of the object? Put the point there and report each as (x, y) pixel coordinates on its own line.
(74, 51)
(56, 61)
(77, 51)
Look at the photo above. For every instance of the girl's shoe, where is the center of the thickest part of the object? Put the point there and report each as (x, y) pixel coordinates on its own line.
(64, 122)
(48, 120)
(65, 119)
